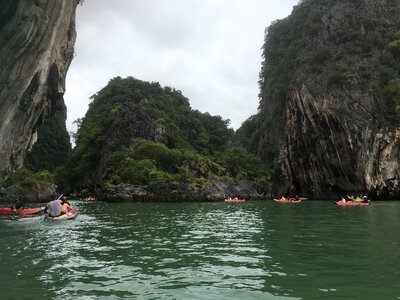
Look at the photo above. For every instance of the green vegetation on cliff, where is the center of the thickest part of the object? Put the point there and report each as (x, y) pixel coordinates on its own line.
(53, 145)
(137, 132)
(335, 48)
(27, 180)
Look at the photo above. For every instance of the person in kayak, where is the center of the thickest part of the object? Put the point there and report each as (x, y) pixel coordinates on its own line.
(53, 208)
(65, 206)
(17, 206)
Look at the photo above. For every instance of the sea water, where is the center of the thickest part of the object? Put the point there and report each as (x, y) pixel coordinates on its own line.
(251, 250)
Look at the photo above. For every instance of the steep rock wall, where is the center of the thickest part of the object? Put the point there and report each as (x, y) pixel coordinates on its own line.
(37, 38)
(327, 153)
(331, 127)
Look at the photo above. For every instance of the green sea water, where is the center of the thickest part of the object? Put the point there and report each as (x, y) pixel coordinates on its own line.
(251, 250)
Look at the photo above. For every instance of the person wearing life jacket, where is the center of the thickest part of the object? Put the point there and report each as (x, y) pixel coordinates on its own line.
(358, 199)
(65, 206)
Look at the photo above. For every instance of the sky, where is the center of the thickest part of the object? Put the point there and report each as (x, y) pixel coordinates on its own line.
(210, 50)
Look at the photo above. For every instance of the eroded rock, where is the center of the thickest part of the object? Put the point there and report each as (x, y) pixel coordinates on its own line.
(37, 45)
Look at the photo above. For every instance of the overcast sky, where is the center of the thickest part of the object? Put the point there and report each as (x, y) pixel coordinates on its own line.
(208, 49)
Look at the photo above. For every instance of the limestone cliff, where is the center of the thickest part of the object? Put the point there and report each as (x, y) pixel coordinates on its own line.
(37, 45)
(330, 106)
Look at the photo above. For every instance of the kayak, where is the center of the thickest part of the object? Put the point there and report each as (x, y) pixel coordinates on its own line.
(235, 200)
(288, 200)
(351, 203)
(90, 199)
(24, 211)
(68, 216)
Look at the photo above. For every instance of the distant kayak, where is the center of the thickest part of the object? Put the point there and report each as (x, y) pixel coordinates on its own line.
(68, 216)
(289, 200)
(24, 211)
(235, 200)
(351, 203)
(90, 199)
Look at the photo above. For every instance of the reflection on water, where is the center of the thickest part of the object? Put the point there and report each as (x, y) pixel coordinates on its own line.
(254, 250)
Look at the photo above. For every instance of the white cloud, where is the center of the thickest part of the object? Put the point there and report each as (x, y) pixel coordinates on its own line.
(208, 49)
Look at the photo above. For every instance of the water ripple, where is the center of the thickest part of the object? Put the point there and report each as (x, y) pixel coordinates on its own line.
(258, 250)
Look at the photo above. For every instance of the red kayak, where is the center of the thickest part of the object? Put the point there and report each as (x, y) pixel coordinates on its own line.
(288, 200)
(24, 211)
(235, 200)
(351, 203)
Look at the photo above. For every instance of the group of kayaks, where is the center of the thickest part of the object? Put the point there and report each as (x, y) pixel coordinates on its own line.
(356, 202)
(19, 210)
(351, 201)
(73, 212)
(289, 200)
(36, 211)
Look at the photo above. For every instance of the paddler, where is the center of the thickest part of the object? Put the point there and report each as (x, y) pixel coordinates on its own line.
(65, 206)
(17, 206)
(53, 208)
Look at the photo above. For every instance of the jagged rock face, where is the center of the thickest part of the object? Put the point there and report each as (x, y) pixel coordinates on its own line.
(327, 153)
(37, 45)
(40, 193)
(333, 133)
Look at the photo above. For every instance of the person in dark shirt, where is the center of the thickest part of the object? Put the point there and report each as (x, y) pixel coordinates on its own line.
(17, 206)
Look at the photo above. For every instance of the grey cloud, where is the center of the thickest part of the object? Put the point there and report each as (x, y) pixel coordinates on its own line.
(208, 49)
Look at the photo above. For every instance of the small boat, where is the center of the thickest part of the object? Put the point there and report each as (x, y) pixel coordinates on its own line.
(351, 203)
(90, 199)
(68, 216)
(24, 211)
(289, 200)
(234, 200)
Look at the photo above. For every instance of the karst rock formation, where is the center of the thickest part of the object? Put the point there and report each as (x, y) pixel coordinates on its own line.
(37, 46)
(330, 110)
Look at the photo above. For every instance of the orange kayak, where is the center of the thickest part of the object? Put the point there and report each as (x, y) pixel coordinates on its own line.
(235, 200)
(288, 200)
(351, 203)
